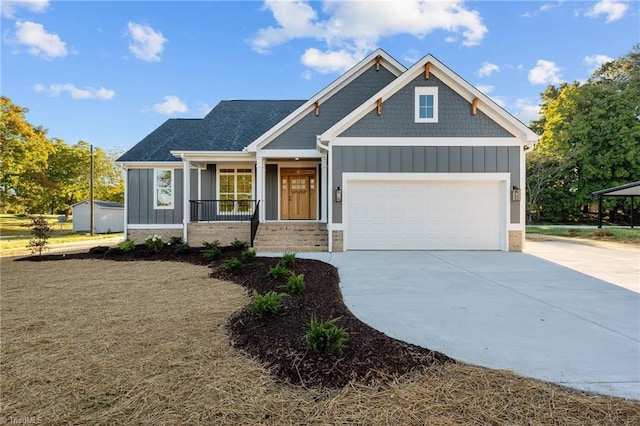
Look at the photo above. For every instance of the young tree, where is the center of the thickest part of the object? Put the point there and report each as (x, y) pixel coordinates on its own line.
(41, 231)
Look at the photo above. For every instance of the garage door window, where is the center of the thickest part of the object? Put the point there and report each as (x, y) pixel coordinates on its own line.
(426, 104)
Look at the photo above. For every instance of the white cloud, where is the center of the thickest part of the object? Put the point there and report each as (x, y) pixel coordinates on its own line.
(487, 69)
(527, 111)
(9, 7)
(614, 10)
(204, 108)
(39, 41)
(353, 28)
(171, 105)
(594, 62)
(545, 72)
(75, 92)
(146, 43)
(485, 88)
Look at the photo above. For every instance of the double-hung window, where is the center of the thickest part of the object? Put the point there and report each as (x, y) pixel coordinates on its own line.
(163, 188)
(235, 190)
(426, 105)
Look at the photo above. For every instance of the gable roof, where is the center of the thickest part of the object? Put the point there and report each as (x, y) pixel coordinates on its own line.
(108, 204)
(385, 60)
(230, 126)
(452, 80)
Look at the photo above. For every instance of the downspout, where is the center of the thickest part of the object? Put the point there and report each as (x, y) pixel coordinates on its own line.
(329, 200)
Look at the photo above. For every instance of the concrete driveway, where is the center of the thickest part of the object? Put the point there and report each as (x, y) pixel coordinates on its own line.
(511, 311)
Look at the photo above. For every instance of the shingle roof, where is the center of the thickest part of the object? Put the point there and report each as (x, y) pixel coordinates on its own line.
(230, 126)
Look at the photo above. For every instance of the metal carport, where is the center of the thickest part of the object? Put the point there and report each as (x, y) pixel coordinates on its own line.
(629, 190)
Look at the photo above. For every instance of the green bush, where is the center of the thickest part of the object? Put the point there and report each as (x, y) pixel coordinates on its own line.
(295, 284)
(248, 255)
(277, 272)
(154, 242)
(326, 337)
(213, 245)
(288, 259)
(266, 304)
(232, 264)
(239, 245)
(175, 241)
(602, 233)
(127, 245)
(212, 253)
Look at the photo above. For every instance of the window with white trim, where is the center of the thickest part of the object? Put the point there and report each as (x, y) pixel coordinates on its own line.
(426, 105)
(163, 188)
(235, 184)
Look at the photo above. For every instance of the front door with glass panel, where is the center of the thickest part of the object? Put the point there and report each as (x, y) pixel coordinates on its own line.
(298, 194)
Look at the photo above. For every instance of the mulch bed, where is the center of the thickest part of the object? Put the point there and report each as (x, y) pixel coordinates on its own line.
(278, 341)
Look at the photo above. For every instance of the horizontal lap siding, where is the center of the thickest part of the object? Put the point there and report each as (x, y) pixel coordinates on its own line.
(425, 159)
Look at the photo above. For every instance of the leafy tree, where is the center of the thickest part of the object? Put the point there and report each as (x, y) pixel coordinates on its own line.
(41, 231)
(590, 140)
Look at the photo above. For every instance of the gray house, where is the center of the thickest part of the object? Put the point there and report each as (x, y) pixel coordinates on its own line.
(384, 158)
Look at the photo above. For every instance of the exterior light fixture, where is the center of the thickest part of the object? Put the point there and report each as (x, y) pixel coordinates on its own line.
(515, 194)
(338, 195)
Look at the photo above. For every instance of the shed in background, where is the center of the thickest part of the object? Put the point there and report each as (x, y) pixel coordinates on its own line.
(108, 217)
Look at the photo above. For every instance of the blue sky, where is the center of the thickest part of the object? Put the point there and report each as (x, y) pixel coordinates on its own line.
(110, 72)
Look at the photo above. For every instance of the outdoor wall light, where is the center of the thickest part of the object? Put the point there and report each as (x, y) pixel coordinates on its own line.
(338, 195)
(515, 194)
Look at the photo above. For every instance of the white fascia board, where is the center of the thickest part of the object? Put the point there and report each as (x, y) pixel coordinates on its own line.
(451, 79)
(428, 176)
(214, 156)
(440, 141)
(290, 153)
(392, 65)
(150, 164)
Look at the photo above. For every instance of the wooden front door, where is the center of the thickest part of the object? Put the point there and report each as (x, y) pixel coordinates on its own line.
(298, 194)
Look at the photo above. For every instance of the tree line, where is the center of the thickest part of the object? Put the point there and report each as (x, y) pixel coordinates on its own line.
(39, 174)
(589, 140)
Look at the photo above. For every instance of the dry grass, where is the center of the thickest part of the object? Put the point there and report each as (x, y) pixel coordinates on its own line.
(100, 342)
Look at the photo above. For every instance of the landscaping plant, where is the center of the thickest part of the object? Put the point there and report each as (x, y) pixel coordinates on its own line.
(248, 255)
(288, 259)
(277, 272)
(212, 253)
(41, 232)
(232, 264)
(154, 242)
(127, 245)
(326, 337)
(239, 245)
(295, 284)
(266, 304)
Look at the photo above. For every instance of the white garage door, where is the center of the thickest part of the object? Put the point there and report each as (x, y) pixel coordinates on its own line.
(424, 215)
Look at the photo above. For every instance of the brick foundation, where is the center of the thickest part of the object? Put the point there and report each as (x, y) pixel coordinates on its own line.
(226, 233)
(139, 235)
(516, 240)
(338, 241)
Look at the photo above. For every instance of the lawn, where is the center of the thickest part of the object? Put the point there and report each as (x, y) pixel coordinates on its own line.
(16, 231)
(621, 235)
(104, 342)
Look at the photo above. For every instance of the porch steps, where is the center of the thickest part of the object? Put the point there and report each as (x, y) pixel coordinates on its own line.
(293, 237)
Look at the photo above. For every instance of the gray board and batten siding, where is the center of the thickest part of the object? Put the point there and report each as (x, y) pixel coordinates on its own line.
(140, 209)
(426, 159)
(302, 135)
(398, 116)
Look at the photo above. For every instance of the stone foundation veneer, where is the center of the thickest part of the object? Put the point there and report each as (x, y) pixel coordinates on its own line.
(226, 233)
(516, 240)
(139, 235)
(338, 243)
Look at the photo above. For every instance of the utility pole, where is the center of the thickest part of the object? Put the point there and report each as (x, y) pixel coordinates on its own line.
(91, 224)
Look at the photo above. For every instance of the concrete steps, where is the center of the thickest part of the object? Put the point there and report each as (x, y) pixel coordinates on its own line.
(293, 237)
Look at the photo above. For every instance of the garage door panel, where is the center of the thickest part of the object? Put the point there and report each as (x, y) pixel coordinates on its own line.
(424, 215)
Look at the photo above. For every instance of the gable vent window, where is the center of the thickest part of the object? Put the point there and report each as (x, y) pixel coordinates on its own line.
(426, 105)
(163, 189)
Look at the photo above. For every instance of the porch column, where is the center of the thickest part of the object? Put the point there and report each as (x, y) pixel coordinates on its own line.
(326, 192)
(260, 186)
(186, 194)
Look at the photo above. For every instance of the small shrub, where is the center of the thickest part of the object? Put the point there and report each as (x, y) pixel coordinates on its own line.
(602, 233)
(41, 231)
(127, 245)
(266, 304)
(248, 255)
(212, 253)
(277, 272)
(232, 264)
(573, 232)
(175, 241)
(239, 245)
(288, 259)
(154, 242)
(213, 245)
(326, 337)
(295, 284)
(182, 248)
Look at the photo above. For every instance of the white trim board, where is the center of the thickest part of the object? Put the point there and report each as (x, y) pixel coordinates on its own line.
(441, 141)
